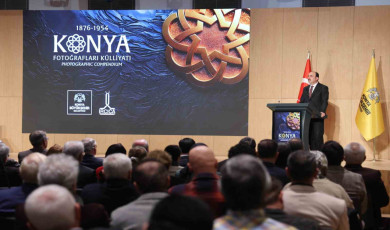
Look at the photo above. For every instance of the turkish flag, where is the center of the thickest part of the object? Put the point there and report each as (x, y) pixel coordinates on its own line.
(304, 79)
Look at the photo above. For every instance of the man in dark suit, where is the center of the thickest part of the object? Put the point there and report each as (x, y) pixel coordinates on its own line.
(268, 153)
(316, 94)
(86, 175)
(38, 140)
(89, 159)
(355, 154)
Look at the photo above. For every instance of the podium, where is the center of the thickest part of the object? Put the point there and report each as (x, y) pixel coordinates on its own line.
(291, 120)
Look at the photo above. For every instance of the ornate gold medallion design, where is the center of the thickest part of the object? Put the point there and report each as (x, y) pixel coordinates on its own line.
(208, 46)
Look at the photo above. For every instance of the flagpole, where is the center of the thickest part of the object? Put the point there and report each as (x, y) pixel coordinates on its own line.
(374, 149)
(373, 140)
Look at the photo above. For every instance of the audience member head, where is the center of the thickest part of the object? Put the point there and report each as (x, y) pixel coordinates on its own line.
(322, 163)
(186, 144)
(175, 152)
(241, 148)
(250, 141)
(295, 144)
(284, 151)
(302, 167)
(268, 149)
(202, 160)
(54, 149)
(30, 166)
(274, 195)
(117, 166)
(177, 212)
(354, 154)
(115, 148)
(59, 169)
(4, 152)
(52, 207)
(244, 183)
(142, 143)
(74, 149)
(137, 154)
(334, 152)
(198, 144)
(38, 139)
(161, 156)
(90, 146)
(151, 176)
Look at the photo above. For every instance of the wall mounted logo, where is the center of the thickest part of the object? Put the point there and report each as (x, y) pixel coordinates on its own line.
(107, 110)
(79, 102)
(208, 46)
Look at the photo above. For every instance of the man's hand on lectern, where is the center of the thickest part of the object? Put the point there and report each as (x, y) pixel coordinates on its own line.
(322, 114)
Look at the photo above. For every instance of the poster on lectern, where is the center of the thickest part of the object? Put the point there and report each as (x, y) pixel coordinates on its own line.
(168, 72)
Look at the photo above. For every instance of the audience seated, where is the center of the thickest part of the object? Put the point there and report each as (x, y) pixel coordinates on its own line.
(10, 198)
(295, 144)
(274, 209)
(284, 151)
(177, 212)
(38, 140)
(141, 142)
(137, 154)
(114, 148)
(54, 149)
(323, 184)
(243, 198)
(62, 170)
(175, 152)
(355, 155)
(302, 199)
(9, 169)
(85, 175)
(166, 160)
(244, 183)
(117, 190)
(250, 141)
(240, 148)
(89, 159)
(268, 153)
(151, 178)
(185, 145)
(352, 182)
(204, 183)
(52, 207)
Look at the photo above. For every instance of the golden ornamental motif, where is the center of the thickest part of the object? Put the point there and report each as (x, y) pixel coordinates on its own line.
(208, 46)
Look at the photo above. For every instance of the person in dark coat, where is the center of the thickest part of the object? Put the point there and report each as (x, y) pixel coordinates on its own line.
(354, 155)
(38, 140)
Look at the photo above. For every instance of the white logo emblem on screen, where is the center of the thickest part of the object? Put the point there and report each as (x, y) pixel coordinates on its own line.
(82, 102)
(107, 110)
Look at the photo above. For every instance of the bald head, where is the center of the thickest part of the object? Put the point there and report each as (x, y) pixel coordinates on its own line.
(201, 160)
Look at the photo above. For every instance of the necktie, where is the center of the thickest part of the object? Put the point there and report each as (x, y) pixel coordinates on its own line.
(310, 91)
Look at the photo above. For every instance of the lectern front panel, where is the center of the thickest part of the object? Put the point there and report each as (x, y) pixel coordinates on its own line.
(286, 126)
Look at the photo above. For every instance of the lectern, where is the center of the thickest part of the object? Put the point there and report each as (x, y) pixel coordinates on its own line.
(291, 120)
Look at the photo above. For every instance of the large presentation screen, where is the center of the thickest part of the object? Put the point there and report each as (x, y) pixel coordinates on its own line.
(168, 72)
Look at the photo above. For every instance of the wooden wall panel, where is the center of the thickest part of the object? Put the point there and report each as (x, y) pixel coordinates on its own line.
(260, 118)
(11, 53)
(335, 46)
(336, 126)
(299, 34)
(10, 122)
(266, 54)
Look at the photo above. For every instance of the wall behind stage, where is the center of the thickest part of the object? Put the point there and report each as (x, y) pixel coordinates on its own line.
(340, 40)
